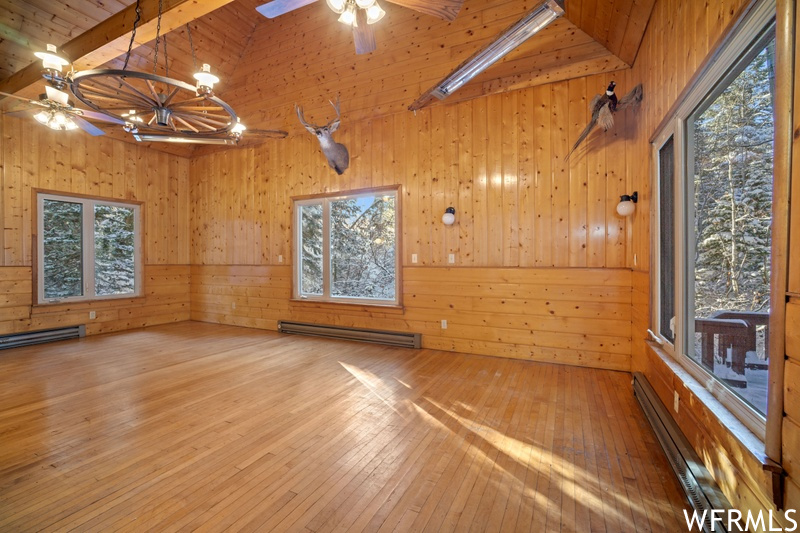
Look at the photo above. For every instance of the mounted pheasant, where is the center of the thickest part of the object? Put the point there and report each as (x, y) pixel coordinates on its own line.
(603, 107)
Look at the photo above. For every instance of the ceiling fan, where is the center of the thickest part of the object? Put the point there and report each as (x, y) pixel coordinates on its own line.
(361, 14)
(54, 110)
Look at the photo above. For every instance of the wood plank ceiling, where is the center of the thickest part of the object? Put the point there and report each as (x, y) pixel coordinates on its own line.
(267, 65)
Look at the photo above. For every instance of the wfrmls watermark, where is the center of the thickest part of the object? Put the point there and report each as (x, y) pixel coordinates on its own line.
(735, 520)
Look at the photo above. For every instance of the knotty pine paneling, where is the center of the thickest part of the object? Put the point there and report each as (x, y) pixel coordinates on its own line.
(567, 316)
(32, 157)
(680, 36)
(165, 299)
(498, 160)
(305, 57)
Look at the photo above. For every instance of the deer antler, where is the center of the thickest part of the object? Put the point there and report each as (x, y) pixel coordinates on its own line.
(334, 123)
(299, 111)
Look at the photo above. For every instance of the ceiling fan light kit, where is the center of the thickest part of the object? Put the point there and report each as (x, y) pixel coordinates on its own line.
(55, 120)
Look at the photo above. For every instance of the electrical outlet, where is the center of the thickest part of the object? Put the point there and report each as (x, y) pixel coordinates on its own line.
(635, 260)
(233, 305)
(444, 324)
(414, 258)
(280, 259)
(676, 402)
(451, 258)
(92, 315)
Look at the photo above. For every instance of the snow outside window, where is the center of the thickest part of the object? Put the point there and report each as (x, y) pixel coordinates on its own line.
(346, 248)
(87, 249)
(712, 223)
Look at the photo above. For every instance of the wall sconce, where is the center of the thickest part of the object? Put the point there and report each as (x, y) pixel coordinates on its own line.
(449, 216)
(626, 206)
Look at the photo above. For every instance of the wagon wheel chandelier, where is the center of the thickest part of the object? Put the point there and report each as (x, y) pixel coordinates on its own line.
(159, 108)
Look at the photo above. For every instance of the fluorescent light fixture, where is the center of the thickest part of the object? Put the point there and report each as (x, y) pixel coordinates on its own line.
(536, 20)
(155, 137)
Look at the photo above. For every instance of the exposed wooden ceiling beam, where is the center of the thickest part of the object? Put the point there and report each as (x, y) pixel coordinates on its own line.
(110, 38)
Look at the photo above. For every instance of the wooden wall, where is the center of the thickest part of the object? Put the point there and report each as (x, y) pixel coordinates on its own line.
(680, 36)
(791, 422)
(33, 157)
(540, 254)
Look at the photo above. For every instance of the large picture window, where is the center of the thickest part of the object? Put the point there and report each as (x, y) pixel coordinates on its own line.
(347, 248)
(714, 182)
(87, 249)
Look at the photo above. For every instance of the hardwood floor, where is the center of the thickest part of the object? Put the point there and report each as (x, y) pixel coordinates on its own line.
(204, 427)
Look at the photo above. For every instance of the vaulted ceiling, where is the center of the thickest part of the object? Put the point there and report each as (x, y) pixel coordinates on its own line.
(306, 57)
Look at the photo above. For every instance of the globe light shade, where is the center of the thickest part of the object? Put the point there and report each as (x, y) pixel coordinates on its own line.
(449, 216)
(627, 204)
(374, 13)
(336, 5)
(364, 4)
(349, 15)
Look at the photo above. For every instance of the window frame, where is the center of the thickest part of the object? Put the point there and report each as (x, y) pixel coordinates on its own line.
(326, 199)
(710, 81)
(88, 251)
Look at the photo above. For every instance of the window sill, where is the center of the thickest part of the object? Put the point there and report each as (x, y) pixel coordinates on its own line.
(748, 441)
(388, 308)
(81, 305)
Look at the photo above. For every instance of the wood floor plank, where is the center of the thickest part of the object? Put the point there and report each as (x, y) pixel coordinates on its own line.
(210, 428)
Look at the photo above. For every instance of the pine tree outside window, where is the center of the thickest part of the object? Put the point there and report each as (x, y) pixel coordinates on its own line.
(87, 249)
(347, 247)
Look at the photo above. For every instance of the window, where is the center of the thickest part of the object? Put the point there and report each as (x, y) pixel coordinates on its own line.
(714, 182)
(87, 249)
(347, 248)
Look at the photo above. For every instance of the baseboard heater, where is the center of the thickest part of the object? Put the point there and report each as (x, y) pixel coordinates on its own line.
(15, 340)
(701, 489)
(392, 338)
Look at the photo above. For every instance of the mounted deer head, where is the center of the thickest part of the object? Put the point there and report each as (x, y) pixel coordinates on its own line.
(336, 153)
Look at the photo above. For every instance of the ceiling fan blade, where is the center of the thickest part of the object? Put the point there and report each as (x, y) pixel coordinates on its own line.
(19, 98)
(57, 96)
(25, 113)
(265, 134)
(86, 126)
(94, 115)
(279, 7)
(444, 9)
(363, 36)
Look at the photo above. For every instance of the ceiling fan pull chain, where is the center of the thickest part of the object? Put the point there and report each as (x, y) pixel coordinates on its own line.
(133, 34)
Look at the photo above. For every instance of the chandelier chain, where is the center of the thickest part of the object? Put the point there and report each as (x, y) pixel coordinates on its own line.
(191, 45)
(166, 57)
(133, 34)
(158, 37)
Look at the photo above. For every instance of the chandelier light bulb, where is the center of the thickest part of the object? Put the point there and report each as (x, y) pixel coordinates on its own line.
(238, 129)
(205, 80)
(374, 13)
(337, 5)
(50, 59)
